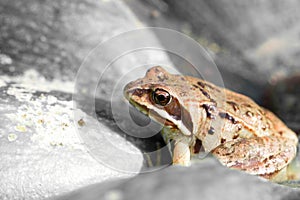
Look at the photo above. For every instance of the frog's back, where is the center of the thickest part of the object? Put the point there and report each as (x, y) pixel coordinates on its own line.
(241, 115)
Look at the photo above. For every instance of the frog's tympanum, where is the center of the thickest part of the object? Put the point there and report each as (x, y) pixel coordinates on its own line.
(196, 113)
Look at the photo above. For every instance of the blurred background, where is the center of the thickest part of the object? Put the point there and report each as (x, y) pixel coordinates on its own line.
(43, 43)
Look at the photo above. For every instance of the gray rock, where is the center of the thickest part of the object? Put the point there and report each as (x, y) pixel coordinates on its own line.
(261, 35)
(282, 97)
(204, 180)
(41, 152)
(42, 45)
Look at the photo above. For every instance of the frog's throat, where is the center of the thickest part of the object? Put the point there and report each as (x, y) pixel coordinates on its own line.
(162, 117)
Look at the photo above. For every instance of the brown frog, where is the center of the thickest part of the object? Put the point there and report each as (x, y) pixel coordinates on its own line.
(196, 113)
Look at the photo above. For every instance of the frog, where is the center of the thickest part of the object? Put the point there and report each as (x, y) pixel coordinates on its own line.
(199, 115)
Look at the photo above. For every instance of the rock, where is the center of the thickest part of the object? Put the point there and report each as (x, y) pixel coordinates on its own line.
(204, 180)
(258, 40)
(282, 97)
(42, 46)
(59, 34)
(41, 152)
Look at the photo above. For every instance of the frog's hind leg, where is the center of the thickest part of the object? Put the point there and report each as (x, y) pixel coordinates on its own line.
(260, 156)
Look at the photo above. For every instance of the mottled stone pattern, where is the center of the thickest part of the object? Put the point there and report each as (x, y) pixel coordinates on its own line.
(57, 33)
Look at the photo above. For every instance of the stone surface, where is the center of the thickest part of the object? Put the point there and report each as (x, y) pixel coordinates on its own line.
(259, 39)
(59, 34)
(204, 180)
(42, 46)
(283, 98)
(41, 153)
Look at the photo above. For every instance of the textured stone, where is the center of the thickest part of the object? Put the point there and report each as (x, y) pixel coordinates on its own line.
(204, 180)
(41, 153)
(283, 98)
(263, 33)
(42, 46)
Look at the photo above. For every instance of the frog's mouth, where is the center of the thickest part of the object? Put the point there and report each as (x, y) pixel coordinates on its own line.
(139, 107)
(166, 120)
(152, 114)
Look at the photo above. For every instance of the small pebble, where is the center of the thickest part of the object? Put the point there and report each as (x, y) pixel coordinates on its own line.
(12, 137)
(81, 122)
(113, 195)
(21, 128)
(5, 59)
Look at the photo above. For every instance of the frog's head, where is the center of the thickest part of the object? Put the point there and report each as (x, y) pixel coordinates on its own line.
(164, 97)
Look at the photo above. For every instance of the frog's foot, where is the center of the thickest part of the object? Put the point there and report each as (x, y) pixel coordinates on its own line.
(181, 154)
(260, 156)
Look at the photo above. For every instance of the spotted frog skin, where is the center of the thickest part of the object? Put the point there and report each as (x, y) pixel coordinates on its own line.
(196, 113)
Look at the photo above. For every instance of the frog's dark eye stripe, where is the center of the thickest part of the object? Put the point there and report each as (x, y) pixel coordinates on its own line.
(161, 97)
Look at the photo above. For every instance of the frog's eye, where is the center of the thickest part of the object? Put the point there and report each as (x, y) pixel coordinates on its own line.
(161, 97)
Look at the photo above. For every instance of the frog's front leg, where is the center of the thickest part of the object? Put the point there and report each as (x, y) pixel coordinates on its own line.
(259, 155)
(181, 153)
